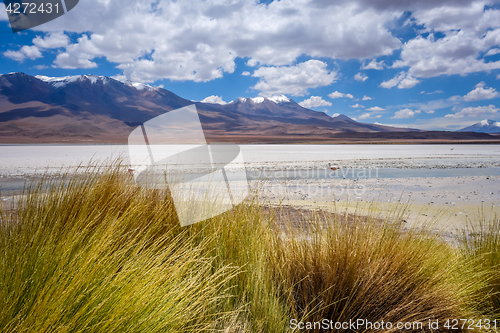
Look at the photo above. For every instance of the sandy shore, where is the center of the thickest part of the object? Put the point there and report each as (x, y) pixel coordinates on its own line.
(445, 203)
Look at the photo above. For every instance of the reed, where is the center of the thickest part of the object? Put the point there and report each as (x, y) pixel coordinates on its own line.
(481, 245)
(92, 252)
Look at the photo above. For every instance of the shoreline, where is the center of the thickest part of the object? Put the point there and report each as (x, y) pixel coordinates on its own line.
(459, 179)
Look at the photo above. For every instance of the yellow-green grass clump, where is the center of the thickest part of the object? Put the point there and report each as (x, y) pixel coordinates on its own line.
(92, 252)
(95, 254)
(481, 245)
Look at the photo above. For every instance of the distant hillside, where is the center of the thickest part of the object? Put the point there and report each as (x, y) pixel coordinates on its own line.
(91, 108)
(484, 126)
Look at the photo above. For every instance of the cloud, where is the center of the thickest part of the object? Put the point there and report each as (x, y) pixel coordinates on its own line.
(52, 41)
(403, 114)
(31, 52)
(214, 99)
(3, 16)
(402, 80)
(199, 41)
(65, 60)
(375, 108)
(492, 52)
(435, 92)
(478, 111)
(481, 93)
(469, 31)
(408, 82)
(149, 40)
(313, 102)
(357, 106)
(294, 80)
(439, 123)
(246, 73)
(79, 55)
(360, 77)
(364, 116)
(366, 98)
(335, 115)
(454, 54)
(337, 94)
(430, 111)
(435, 104)
(410, 4)
(373, 65)
(394, 81)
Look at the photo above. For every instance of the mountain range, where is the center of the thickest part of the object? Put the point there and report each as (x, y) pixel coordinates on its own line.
(99, 109)
(484, 126)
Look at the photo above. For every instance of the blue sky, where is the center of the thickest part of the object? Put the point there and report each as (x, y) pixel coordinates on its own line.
(423, 64)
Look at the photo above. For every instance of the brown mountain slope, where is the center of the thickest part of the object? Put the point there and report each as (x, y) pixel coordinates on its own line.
(90, 108)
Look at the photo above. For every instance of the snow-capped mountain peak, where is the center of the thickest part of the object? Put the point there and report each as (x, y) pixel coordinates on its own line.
(59, 82)
(484, 126)
(136, 85)
(258, 100)
(279, 99)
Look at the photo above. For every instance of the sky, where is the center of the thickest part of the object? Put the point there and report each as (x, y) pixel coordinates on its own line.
(428, 64)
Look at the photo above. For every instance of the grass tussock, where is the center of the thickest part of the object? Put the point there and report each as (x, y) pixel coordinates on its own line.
(481, 245)
(92, 252)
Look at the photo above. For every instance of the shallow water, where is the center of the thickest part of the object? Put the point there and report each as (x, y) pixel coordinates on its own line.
(366, 173)
(22, 159)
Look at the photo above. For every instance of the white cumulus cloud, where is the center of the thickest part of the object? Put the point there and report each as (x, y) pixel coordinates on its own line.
(373, 65)
(403, 80)
(200, 40)
(31, 52)
(337, 94)
(366, 98)
(481, 93)
(214, 99)
(293, 80)
(52, 41)
(375, 108)
(403, 114)
(478, 111)
(357, 106)
(360, 77)
(492, 52)
(364, 116)
(314, 101)
(469, 31)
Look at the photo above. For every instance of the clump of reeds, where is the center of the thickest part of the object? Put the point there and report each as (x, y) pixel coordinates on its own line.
(92, 252)
(371, 268)
(481, 245)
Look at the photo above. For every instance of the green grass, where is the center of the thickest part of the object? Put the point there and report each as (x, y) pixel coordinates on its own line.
(94, 253)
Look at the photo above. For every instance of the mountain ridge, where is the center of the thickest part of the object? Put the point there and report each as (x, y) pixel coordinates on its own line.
(93, 108)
